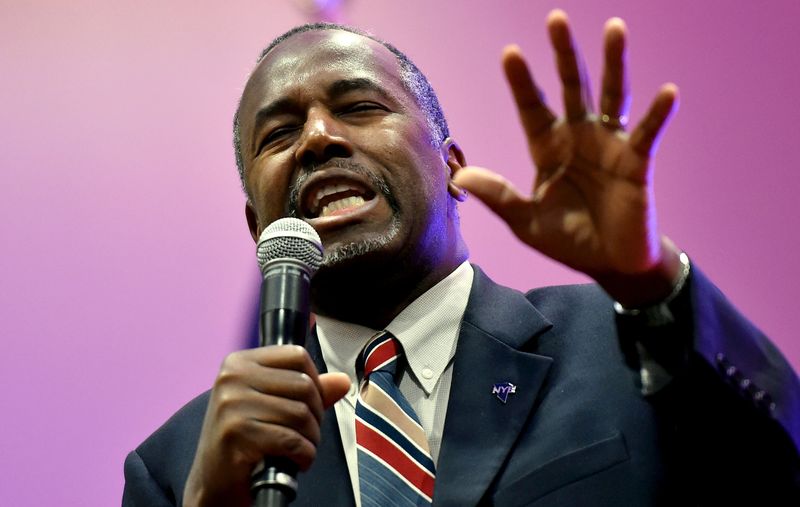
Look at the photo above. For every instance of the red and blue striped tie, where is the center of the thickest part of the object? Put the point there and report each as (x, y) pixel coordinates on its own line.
(394, 462)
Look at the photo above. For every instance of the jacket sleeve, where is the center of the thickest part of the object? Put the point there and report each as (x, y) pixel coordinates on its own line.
(731, 412)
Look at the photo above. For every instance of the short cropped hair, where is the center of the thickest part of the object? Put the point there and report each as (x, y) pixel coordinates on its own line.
(412, 78)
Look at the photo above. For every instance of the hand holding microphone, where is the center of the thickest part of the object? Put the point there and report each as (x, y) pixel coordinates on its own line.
(268, 401)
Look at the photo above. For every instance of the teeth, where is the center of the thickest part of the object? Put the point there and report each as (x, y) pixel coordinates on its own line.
(332, 189)
(348, 202)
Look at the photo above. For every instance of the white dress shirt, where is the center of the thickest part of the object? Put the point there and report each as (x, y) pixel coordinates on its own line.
(428, 330)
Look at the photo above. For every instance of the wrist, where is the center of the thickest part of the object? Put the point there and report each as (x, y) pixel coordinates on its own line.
(650, 287)
(659, 313)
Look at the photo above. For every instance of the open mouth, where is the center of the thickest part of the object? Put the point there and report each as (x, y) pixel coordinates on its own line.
(335, 197)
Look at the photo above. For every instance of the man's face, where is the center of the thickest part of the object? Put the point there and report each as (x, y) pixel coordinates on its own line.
(330, 135)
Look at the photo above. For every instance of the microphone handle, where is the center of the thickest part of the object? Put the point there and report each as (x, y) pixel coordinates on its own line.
(283, 320)
(285, 304)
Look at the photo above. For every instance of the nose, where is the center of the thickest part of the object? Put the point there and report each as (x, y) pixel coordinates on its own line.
(322, 139)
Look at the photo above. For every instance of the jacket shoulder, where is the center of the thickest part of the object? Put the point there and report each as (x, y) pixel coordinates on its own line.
(168, 453)
(560, 298)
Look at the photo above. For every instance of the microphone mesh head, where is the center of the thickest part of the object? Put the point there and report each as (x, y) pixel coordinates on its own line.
(290, 238)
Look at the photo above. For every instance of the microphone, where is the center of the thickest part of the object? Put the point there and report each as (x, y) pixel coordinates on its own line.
(289, 253)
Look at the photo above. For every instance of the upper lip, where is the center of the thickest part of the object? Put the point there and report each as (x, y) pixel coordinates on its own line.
(326, 182)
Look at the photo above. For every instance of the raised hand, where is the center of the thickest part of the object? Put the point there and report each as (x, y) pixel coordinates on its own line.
(592, 206)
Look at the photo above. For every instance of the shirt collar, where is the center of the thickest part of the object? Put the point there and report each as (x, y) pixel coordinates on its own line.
(427, 328)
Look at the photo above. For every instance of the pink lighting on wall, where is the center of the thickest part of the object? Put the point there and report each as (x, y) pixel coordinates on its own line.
(127, 269)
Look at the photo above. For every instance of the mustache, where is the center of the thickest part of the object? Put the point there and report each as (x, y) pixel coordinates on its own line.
(378, 182)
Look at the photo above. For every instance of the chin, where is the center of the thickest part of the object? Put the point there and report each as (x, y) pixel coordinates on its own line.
(360, 251)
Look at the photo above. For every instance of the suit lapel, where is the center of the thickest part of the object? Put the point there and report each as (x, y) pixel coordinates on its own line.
(327, 482)
(479, 428)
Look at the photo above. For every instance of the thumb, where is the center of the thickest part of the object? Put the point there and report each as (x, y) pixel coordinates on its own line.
(493, 190)
(334, 386)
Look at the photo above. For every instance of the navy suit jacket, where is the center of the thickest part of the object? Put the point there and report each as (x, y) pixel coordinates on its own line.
(577, 431)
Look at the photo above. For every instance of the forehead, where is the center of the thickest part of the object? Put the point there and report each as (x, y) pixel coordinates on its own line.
(318, 57)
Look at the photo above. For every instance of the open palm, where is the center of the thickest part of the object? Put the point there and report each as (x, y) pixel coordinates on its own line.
(592, 205)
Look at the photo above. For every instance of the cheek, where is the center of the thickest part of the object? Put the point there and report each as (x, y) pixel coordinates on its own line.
(422, 165)
(268, 186)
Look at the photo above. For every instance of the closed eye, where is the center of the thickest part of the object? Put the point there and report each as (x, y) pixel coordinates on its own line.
(276, 135)
(362, 107)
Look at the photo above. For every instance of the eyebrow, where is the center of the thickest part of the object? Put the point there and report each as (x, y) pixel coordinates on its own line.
(336, 89)
(343, 86)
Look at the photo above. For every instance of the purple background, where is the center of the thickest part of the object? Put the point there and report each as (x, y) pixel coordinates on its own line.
(128, 272)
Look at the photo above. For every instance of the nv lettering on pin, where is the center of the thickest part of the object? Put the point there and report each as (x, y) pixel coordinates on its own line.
(503, 389)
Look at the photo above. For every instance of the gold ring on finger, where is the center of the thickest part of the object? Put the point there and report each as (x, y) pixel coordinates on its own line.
(614, 122)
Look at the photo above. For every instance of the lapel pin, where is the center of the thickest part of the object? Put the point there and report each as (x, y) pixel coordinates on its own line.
(503, 389)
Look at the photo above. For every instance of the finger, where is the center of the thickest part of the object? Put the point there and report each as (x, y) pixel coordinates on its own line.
(577, 96)
(285, 371)
(615, 94)
(255, 425)
(278, 440)
(292, 357)
(286, 357)
(290, 385)
(267, 409)
(647, 134)
(234, 402)
(494, 191)
(334, 387)
(533, 112)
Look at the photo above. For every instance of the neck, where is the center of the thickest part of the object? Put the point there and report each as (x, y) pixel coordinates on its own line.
(372, 295)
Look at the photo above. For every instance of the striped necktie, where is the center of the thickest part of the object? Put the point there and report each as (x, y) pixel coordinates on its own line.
(394, 462)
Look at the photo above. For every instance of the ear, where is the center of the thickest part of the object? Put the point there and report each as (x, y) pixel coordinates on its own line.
(454, 158)
(252, 221)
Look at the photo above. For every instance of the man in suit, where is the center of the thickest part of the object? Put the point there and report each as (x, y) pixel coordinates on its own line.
(633, 392)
